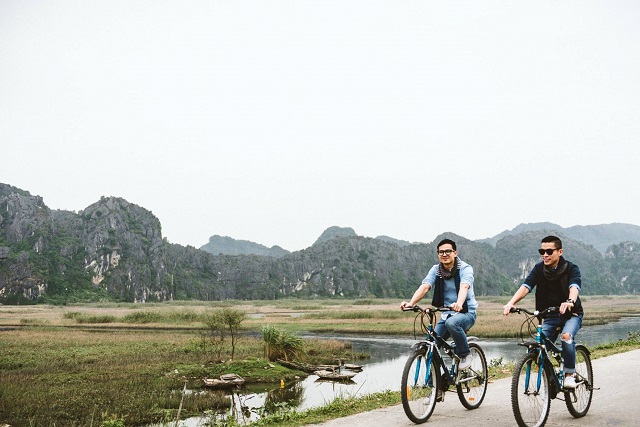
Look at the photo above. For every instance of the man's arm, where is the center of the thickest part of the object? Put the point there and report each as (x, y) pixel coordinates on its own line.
(516, 298)
(417, 296)
(462, 297)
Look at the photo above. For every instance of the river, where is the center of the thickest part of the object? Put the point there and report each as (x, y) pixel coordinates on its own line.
(382, 370)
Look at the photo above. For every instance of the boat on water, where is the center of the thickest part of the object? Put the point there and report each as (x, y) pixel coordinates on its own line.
(225, 381)
(352, 367)
(335, 375)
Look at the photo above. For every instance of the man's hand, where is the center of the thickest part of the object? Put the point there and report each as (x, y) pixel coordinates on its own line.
(507, 308)
(456, 306)
(565, 306)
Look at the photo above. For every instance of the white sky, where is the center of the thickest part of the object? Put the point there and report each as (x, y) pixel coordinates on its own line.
(272, 120)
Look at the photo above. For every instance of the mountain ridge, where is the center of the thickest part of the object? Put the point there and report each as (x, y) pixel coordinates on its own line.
(114, 250)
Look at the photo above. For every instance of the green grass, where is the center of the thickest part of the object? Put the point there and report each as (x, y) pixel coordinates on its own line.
(117, 363)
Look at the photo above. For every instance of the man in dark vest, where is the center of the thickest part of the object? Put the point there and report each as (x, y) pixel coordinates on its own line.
(452, 283)
(558, 284)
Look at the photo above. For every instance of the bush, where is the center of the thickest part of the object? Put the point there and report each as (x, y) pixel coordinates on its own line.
(281, 344)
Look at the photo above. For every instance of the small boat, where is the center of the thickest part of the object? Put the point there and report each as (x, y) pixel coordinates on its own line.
(334, 376)
(352, 367)
(305, 367)
(224, 382)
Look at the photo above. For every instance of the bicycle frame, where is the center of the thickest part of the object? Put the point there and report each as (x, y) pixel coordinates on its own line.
(545, 350)
(426, 375)
(539, 375)
(436, 343)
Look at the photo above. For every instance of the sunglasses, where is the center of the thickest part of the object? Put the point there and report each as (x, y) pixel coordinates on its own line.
(547, 251)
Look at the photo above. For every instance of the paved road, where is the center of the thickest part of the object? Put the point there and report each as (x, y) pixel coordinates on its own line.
(615, 404)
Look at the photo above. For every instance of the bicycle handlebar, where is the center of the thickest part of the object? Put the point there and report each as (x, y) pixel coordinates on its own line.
(536, 312)
(417, 308)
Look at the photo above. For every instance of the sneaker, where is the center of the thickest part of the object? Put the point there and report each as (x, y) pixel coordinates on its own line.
(570, 381)
(439, 398)
(465, 362)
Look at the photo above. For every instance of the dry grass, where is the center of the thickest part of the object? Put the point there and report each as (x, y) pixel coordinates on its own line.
(346, 316)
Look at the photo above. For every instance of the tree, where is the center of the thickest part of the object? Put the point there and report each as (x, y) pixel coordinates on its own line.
(223, 323)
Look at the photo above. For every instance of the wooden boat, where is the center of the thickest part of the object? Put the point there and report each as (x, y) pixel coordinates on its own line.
(335, 375)
(352, 367)
(306, 367)
(225, 381)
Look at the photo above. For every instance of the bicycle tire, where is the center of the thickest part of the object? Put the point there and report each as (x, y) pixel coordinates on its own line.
(472, 390)
(579, 400)
(419, 385)
(531, 406)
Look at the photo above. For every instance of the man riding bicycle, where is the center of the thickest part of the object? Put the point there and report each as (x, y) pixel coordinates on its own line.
(558, 284)
(452, 280)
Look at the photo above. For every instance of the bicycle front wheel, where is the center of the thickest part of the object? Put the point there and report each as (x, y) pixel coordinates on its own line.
(472, 382)
(579, 400)
(420, 381)
(530, 397)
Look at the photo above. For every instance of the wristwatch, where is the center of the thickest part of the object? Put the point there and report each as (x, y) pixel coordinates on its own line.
(571, 301)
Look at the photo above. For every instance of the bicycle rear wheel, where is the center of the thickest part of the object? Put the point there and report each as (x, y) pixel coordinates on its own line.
(530, 397)
(579, 400)
(473, 382)
(420, 380)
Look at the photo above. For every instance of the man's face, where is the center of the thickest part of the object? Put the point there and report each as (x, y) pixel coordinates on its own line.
(552, 260)
(446, 255)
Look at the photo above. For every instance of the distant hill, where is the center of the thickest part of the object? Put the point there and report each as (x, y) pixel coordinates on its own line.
(113, 250)
(599, 236)
(335, 231)
(392, 240)
(227, 246)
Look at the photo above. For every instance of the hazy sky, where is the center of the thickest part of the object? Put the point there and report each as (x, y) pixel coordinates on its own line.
(271, 121)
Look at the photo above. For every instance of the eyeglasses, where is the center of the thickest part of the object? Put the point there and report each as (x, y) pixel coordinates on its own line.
(446, 252)
(547, 251)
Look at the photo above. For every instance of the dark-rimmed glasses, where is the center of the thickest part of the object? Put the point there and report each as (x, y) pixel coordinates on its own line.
(547, 251)
(446, 252)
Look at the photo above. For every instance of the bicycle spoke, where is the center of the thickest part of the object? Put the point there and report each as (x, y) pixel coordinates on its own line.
(530, 397)
(418, 387)
(578, 400)
(472, 383)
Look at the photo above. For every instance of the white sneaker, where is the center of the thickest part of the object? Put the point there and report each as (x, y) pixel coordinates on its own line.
(465, 362)
(570, 381)
(440, 398)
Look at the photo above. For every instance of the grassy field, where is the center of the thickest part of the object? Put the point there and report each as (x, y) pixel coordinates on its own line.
(126, 364)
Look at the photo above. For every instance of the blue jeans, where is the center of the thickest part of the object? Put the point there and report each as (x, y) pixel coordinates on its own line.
(456, 327)
(569, 326)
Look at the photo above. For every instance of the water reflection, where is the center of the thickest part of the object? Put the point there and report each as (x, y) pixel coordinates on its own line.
(383, 369)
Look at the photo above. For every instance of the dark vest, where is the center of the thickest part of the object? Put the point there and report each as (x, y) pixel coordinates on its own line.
(438, 292)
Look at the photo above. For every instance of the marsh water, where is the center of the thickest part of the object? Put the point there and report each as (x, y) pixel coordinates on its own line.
(382, 370)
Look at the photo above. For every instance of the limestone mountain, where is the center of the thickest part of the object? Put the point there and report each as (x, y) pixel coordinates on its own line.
(114, 250)
(599, 236)
(335, 231)
(224, 245)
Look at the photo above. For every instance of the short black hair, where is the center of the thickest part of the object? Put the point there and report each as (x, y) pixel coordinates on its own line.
(445, 241)
(553, 239)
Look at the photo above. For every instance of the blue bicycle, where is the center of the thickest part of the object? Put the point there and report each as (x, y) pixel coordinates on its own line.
(539, 375)
(426, 375)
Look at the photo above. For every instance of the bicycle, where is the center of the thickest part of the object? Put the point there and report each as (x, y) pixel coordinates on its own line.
(426, 376)
(539, 375)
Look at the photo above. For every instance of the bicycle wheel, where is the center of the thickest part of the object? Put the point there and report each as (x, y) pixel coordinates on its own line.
(420, 380)
(530, 398)
(472, 384)
(579, 400)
